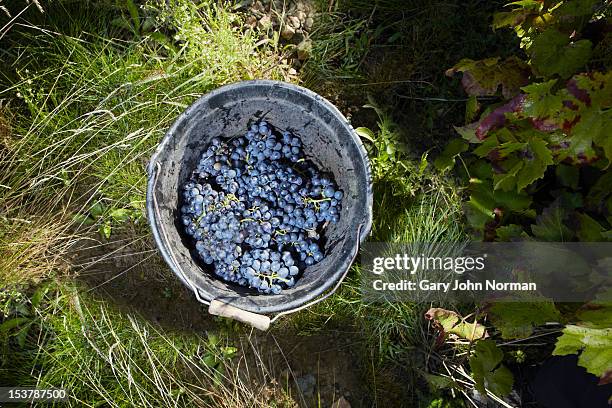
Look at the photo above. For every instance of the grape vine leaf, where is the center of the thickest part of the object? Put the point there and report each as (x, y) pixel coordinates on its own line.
(447, 321)
(597, 313)
(512, 18)
(516, 320)
(589, 230)
(507, 233)
(595, 125)
(595, 88)
(553, 53)
(575, 8)
(537, 160)
(447, 159)
(593, 345)
(485, 77)
(487, 370)
(567, 175)
(484, 200)
(541, 102)
(550, 225)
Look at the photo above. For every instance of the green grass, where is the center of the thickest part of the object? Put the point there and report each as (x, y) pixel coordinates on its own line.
(89, 101)
(107, 358)
(86, 114)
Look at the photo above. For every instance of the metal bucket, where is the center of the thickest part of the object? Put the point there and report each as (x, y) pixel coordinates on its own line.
(329, 141)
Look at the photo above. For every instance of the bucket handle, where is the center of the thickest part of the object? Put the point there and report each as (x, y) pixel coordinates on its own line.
(219, 308)
(262, 322)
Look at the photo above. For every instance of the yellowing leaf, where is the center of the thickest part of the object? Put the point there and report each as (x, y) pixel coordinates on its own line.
(448, 321)
(485, 77)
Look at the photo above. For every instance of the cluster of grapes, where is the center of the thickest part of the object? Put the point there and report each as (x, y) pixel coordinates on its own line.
(255, 209)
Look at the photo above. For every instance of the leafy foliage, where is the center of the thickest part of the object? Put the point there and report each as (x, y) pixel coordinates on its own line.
(593, 345)
(551, 116)
(537, 165)
(516, 320)
(449, 322)
(487, 370)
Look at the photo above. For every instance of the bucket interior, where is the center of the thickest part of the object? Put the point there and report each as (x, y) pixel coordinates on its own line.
(329, 143)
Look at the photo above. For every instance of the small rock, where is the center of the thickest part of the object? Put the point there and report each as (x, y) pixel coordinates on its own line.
(304, 49)
(287, 32)
(293, 21)
(259, 7)
(306, 384)
(265, 22)
(308, 23)
(251, 21)
(292, 72)
(301, 16)
(341, 403)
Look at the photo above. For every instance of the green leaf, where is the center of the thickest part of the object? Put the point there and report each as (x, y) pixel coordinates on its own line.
(553, 53)
(576, 8)
(511, 18)
(210, 360)
(596, 316)
(13, 323)
(471, 109)
(83, 219)
(516, 320)
(487, 146)
(365, 133)
(540, 101)
(507, 233)
(589, 230)
(438, 382)
(97, 210)
(593, 345)
(550, 224)
(483, 200)
(567, 175)
(105, 230)
(447, 159)
(595, 125)
(527, 4)
(120, 214)
(487, 370)
(229, 352)
(534, 166)
(468, 132)
(39, 295)
(485, 77)
(507, 181)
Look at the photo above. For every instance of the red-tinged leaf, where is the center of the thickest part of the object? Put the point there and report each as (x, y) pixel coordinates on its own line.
(545, 125)
(497, 117)
(541, 101)
(580, 94)
(537, 159)
(486, 77)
